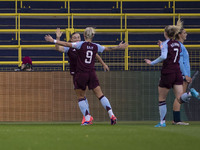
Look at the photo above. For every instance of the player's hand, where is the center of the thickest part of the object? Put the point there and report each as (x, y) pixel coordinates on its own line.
(160, 43)
(147, 61)
(58, 33)
(48, 38)
(188, 79)
(123, 45)
(106, 68)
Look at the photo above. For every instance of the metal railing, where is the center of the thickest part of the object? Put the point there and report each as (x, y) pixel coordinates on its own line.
(70, 29)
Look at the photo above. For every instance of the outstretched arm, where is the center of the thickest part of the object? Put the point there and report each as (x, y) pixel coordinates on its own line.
(158, 60)
(105, 67)
(48, 38)
(164, 51)
(58, 35)
(121, 46)
(147, 61)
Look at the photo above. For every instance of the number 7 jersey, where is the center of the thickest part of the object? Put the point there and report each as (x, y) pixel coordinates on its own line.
(86, 52)
(171, 63)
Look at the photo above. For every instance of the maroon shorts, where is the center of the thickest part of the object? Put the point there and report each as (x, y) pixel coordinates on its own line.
(73, 76)
(84, 79)
(171, 79)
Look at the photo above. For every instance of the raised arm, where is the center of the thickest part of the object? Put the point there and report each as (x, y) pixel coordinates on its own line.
(58, 35)
(160, 44)
(121, 46)
(48, 38)
(105, 67)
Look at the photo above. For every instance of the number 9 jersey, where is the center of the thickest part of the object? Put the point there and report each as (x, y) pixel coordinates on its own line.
(86, 52)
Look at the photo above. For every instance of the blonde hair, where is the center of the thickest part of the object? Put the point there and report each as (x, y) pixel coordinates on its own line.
(89, 33)
(173, 30)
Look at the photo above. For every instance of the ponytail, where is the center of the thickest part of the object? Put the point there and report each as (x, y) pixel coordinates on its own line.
(89, 33)
(173, 30)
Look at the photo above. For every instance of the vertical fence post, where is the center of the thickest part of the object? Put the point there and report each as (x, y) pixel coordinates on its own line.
(19, 39)
(19, 55)
(126, 51)
(72, 21)
(174, 17)
(125, 24)
(63, 61)
(68, 14)
(121, 19)
(67, 39)
(16, 19)
(65, 4)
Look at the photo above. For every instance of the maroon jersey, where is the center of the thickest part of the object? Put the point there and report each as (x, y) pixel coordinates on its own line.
(171, 63)
(86, 57)
(72, 54)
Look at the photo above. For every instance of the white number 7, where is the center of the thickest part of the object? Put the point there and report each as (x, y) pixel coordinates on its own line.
(176, 49)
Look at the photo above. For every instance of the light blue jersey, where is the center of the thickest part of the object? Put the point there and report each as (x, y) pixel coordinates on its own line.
(164, 51)
(184, 61)
(78, 45)
(66, 49)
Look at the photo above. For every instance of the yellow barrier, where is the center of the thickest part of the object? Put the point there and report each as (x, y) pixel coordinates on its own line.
(126, 31)
(106, 0)
(70, 28)
(34, 62)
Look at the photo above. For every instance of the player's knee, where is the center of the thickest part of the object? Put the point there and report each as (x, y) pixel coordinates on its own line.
(81, 98)
(100, 97)
(179, 100)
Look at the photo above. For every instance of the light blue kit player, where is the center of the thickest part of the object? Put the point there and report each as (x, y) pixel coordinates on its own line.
(185, 69)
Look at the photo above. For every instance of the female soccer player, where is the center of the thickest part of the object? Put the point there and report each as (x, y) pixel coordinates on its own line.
(170, 73)
(185, 69)
(72, 54)
(85, 71)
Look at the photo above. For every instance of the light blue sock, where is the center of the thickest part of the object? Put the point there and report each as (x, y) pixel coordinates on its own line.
(83, 107)
(86, 101)
(106, 104)
(163, 111)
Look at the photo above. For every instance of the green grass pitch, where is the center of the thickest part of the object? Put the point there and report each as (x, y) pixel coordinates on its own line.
(99, 136)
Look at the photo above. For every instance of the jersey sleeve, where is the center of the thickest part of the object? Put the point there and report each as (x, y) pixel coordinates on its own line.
(77, 45)
(66, 49)
(164, 51)
(181, 63)
(184, 61)
(100, 48)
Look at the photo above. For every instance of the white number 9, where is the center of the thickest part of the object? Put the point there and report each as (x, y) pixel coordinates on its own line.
(88, 57)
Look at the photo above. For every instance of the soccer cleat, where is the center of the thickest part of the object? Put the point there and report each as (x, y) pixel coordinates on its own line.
(83, 120)
(85, 123)
(160, 125)
(195, 93)
(180, 123)
(113, 120)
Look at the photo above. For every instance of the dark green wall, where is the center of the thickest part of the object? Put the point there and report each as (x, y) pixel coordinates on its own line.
(134, 95)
